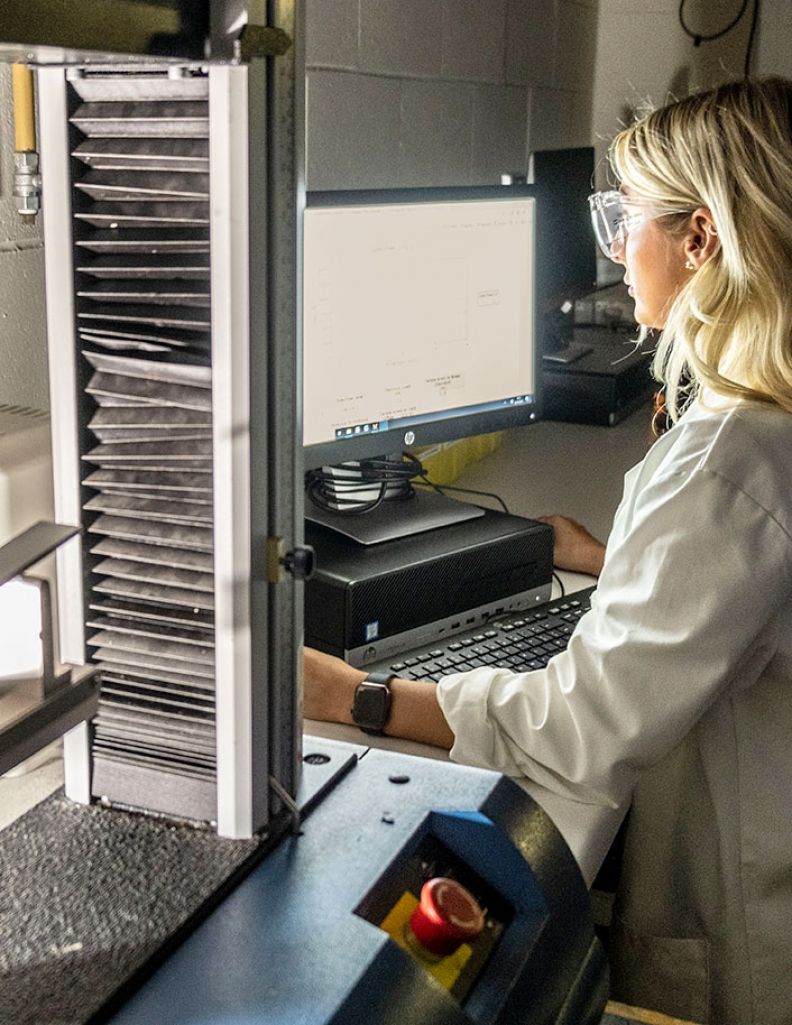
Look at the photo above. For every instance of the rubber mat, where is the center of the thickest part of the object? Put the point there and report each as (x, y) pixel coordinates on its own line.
(92, 897)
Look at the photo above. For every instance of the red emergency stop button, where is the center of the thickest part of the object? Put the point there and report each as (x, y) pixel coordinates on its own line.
(446, 916)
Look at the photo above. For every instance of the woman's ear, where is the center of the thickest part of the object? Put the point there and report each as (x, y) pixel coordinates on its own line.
(701, 241)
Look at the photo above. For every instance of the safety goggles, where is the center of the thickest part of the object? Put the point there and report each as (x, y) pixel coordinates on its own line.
(615, 214)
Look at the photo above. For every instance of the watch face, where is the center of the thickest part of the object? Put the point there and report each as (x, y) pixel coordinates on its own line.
(372, 702)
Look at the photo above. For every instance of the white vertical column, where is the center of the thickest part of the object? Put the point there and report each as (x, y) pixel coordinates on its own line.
(62, 349)
(229, 189)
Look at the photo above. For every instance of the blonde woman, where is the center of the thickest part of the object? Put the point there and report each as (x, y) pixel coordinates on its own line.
(675, 692)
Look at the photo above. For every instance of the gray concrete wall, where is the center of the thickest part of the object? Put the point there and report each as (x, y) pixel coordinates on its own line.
(428, 92)
(444, 92)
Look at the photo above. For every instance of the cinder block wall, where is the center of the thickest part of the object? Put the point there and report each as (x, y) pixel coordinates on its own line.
(433, 92)
(444, 92)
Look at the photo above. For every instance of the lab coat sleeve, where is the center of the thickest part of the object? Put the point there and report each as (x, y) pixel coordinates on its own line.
(698, 573)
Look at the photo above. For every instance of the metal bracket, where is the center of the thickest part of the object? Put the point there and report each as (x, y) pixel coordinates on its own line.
(288, 802)
(299, 562)
(51, 680)
(65, 702)
(262, 41)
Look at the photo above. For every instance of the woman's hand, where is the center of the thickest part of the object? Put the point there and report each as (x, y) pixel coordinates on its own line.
(328, 687)
(574, 547)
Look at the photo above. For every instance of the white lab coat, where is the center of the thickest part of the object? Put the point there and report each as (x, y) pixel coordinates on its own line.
(677, 689)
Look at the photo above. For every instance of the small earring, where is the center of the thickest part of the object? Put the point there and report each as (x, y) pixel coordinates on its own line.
(689, 265)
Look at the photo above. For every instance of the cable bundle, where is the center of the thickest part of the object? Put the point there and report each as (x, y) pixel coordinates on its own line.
(358, 487)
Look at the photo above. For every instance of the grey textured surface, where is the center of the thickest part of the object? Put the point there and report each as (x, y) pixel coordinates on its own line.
(89, 895)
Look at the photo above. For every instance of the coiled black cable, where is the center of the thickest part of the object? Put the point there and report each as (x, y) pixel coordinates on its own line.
(347, 488)
(699, 38)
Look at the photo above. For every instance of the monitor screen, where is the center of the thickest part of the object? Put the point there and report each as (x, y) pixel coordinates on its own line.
(419, 318)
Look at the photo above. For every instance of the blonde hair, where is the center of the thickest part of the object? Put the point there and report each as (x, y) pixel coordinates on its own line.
(729, 150)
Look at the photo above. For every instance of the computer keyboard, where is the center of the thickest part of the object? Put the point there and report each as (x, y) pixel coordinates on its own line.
(520, 641)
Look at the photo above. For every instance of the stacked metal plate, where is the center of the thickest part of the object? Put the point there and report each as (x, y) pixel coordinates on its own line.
(141, 207)
(141, 193)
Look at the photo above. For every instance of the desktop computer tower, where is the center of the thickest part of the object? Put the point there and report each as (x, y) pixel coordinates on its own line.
(368, 602)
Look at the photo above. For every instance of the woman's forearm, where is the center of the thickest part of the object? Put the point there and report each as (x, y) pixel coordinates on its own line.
(415, 714)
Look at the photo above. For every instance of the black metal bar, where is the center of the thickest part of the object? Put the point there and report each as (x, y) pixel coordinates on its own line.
(31, 546)
(62, 31)
(30, 732)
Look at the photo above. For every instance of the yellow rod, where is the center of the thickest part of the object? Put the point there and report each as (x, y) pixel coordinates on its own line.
(24, 112)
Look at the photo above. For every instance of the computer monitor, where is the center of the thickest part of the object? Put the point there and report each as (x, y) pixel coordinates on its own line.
(563, 180)
(419, 318)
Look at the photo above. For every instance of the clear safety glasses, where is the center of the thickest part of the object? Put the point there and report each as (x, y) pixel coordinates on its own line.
(614, 215)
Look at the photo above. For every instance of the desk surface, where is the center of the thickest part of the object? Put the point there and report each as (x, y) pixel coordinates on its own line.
(573, 469)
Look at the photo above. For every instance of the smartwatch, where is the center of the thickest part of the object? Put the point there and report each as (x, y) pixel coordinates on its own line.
(371, 707)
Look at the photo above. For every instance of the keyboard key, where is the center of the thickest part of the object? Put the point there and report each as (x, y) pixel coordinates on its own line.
(397, 667)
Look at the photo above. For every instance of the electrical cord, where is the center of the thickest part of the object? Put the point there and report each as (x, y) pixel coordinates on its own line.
(751, 39)
(699, 38)
(442, 488)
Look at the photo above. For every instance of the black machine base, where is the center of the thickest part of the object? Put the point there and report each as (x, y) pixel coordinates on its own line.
(133, 919)
(302, 938)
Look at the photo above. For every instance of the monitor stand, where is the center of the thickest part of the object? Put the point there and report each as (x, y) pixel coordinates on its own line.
(427, 510)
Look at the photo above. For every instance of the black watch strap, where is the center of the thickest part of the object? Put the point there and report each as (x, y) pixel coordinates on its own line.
(371, 707)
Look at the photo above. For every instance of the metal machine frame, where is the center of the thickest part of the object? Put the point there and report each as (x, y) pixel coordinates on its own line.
(255, 117)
